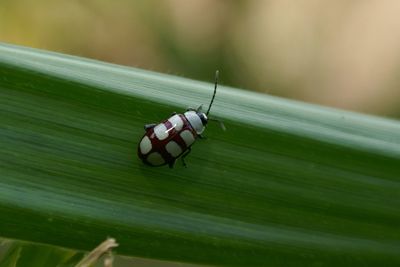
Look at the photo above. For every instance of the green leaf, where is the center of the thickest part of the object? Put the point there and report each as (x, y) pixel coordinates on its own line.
(22, 254)
(11, 256)
(288, 183)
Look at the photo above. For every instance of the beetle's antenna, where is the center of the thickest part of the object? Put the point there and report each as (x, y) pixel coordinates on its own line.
(215, 91)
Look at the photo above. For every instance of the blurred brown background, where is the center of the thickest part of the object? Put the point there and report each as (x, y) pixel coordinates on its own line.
(341, 53)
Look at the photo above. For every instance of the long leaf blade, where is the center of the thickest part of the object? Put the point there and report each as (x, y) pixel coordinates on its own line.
(287, 184)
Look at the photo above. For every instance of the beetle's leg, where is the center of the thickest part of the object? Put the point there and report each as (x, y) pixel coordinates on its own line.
(149, 126)
(200, 136)
(195, 109)
(184, 156)
(221, 124)
(199, 108)
(173, 113)
(172, 163)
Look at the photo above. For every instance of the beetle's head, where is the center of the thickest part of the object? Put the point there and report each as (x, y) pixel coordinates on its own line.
(203, 118)
(198, 120)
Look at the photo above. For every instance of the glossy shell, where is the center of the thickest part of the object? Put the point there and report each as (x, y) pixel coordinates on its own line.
(167, 141)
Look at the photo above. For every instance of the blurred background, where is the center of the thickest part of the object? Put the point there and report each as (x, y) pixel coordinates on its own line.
(341, 53)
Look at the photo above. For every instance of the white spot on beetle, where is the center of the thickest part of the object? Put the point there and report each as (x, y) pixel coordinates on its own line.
(188, 137)
(145, 145)
(176, 122)
(195, 121)
(161, 131)
(173, 148)
(155, 159)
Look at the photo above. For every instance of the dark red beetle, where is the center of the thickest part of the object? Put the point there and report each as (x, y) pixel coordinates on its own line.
(163, 143)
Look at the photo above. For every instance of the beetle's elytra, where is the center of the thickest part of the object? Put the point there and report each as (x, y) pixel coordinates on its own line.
(165, 142)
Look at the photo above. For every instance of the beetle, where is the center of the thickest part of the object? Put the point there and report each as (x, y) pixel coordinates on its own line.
(165, 142)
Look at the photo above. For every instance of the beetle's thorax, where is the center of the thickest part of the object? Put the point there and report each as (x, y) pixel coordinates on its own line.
(197, 120)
